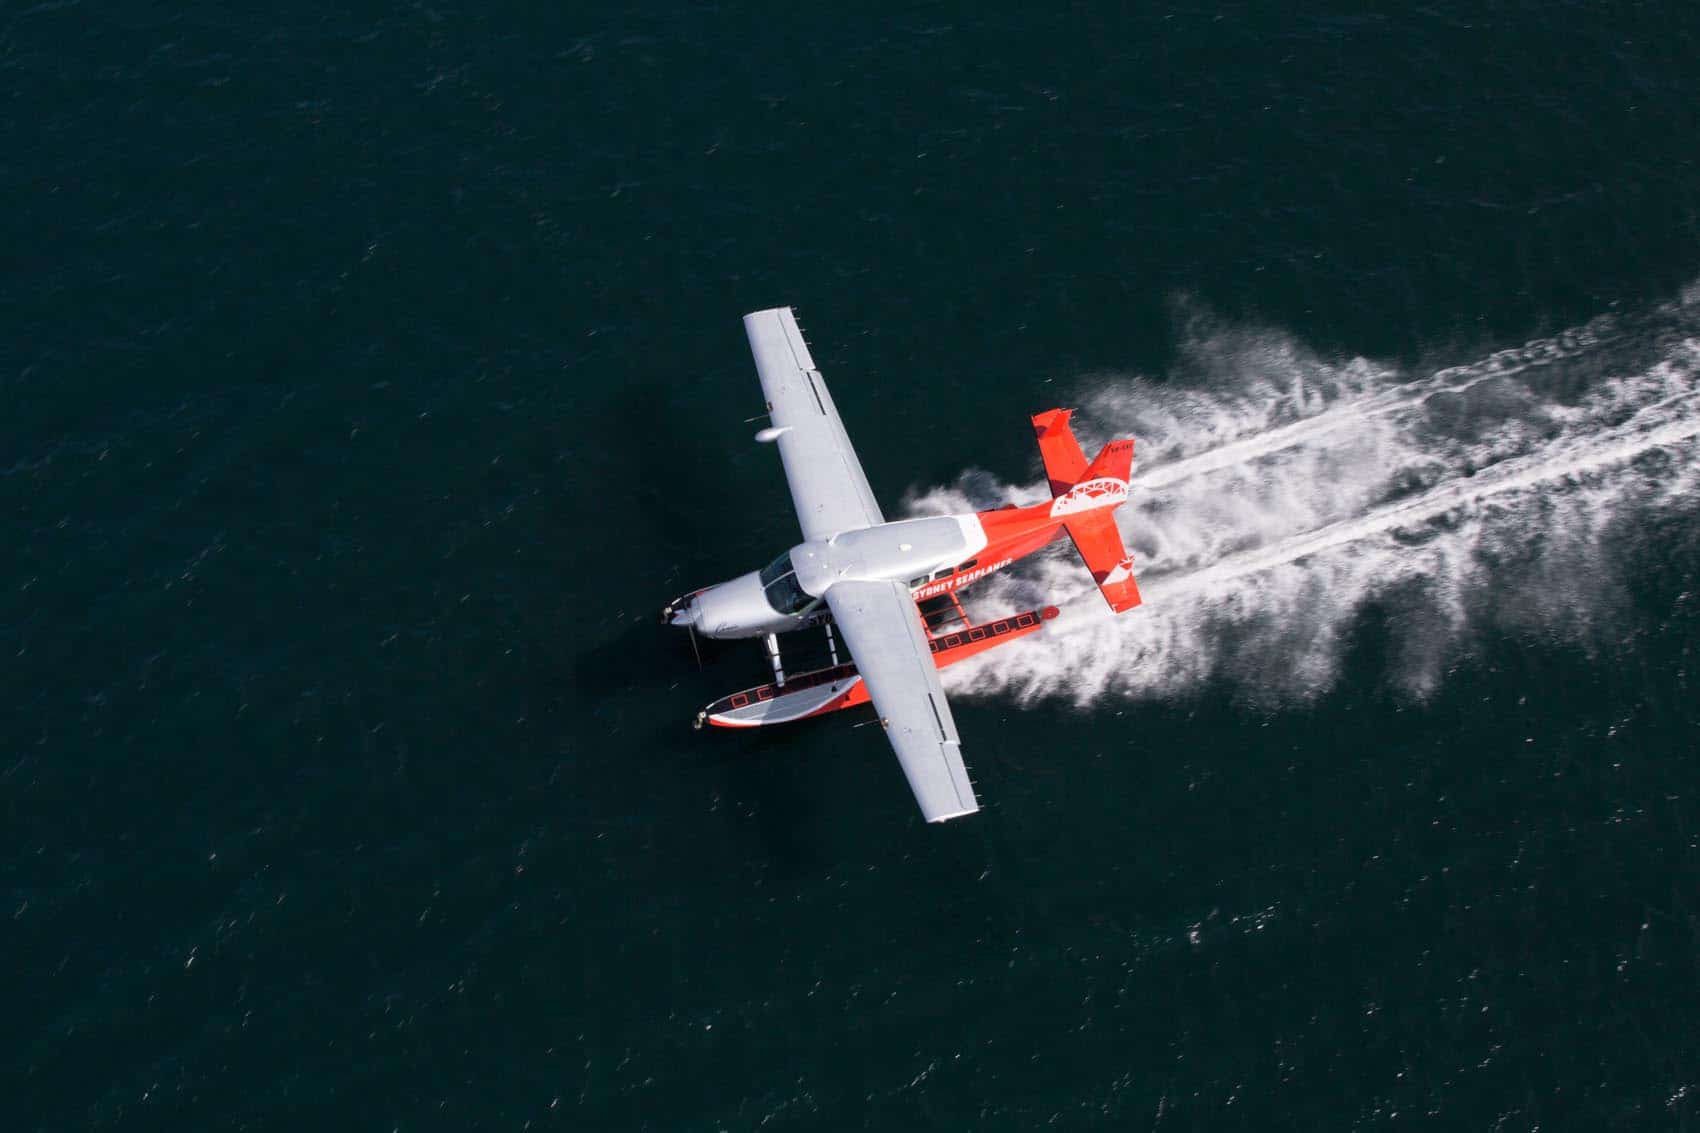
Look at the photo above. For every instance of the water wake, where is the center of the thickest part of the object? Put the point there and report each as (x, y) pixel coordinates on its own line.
(1278, 494)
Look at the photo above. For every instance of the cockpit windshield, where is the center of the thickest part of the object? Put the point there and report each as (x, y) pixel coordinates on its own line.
(779, 583)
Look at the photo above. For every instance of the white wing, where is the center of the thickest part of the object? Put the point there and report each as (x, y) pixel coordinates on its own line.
(827, 484)
(881, 626)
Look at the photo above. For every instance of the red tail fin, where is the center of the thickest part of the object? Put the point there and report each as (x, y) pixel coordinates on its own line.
(1095, 534)
(1089, 519)
(1115, 461)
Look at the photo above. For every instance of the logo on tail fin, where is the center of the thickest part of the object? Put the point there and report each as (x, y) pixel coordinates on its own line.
(1089, 495)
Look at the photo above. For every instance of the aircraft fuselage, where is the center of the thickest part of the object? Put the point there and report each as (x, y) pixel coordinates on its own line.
(935, 556)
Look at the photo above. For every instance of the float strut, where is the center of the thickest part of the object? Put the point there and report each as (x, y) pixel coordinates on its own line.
(832, 645)
(772, 643)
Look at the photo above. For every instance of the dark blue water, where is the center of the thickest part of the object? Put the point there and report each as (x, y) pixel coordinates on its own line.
(372, 376)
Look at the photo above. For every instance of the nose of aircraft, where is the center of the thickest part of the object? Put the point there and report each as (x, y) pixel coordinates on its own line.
(734, 608)
(683, 611)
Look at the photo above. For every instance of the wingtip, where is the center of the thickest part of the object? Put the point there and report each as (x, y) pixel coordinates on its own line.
(1051, 419)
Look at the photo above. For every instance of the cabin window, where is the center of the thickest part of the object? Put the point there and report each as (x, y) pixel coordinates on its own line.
(945, 573)
(777, 569)
(784, 593)
(969, 565)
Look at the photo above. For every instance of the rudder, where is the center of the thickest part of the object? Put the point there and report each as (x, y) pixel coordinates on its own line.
(1114, 462)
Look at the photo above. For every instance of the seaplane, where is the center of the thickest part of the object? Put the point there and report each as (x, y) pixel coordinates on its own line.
(890, 590)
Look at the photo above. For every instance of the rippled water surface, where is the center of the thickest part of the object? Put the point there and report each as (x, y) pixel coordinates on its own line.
(371, 377)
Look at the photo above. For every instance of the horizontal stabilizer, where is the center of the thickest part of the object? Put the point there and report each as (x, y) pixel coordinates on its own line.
(1100, 543)
(1065, 464)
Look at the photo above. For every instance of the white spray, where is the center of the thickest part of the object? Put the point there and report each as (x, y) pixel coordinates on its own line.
(1277, 495)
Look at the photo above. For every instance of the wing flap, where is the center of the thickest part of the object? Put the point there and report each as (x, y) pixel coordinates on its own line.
(880, 624)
